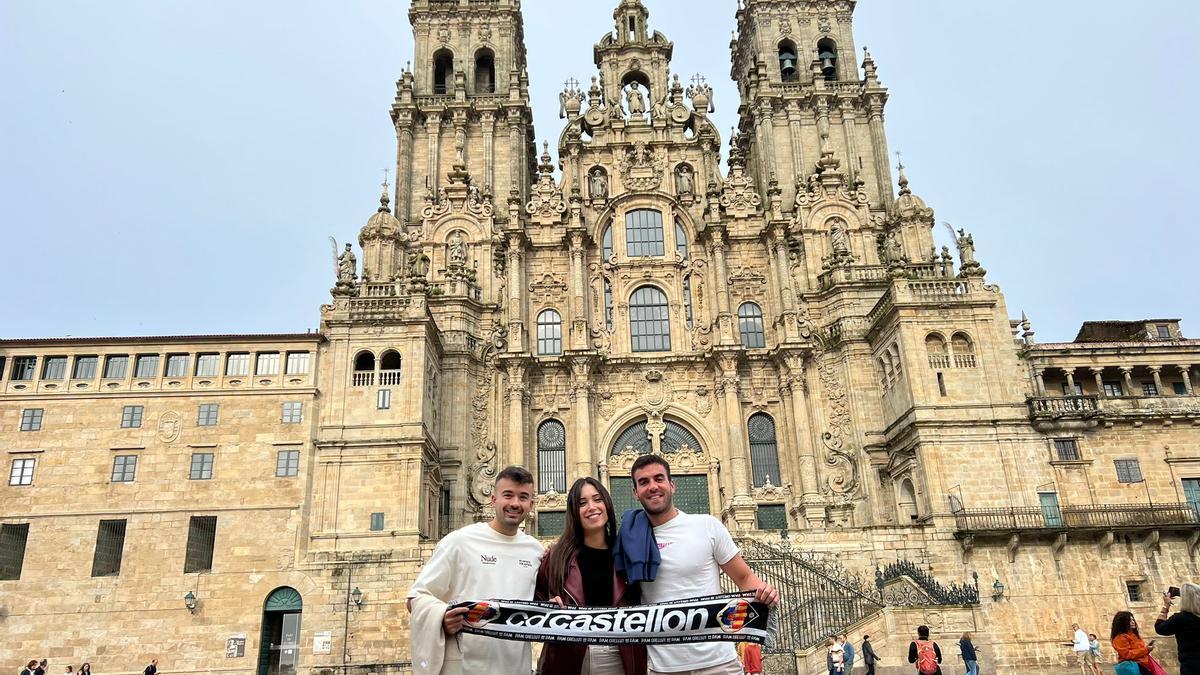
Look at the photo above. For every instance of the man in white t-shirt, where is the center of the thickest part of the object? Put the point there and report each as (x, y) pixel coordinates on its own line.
(1083, 652)
(484, 561)
(695, 549)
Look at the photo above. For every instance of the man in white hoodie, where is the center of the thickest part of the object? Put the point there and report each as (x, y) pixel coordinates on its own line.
(484, 561)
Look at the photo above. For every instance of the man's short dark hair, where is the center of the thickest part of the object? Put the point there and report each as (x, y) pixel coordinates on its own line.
(646, 460)
(517, 474)
(923, 632)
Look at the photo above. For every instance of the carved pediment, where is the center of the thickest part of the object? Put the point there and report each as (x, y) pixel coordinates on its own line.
(642, 168)
(683, 461)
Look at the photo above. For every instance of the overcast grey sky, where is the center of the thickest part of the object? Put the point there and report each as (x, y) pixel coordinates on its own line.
(176, 167)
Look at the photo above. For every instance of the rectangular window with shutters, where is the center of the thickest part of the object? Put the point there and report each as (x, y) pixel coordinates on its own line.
(1134, 590)
(177, 365)
(115, 367)
(772, 517)
(237, 364)
(287, 463)
(1149, 389)
(146, 366)
(376, 522)
(85, 367)
(1067, 391)
(384, 400)
(1067, 449)
(293, 412)
(1112, 389)
(131, 417)
(55, 368)
(551, 523)
(202, 538)
(22, 471)
(208, 365)
(110, 546)
(12, 550)
(31, 419)
(1128, 471)
(297, 363)
(208, 415)
(23, 368)
(202, 466)
(124, 468)
(267, 364)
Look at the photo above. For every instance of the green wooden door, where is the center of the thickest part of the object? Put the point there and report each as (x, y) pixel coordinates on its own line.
(1191, 492)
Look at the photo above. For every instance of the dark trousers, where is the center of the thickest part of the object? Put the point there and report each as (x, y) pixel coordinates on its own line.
(871, 668)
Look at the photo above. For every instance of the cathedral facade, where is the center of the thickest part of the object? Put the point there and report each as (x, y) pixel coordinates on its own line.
(768, 311)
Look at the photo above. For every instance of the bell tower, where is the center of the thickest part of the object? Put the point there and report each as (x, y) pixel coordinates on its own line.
(802, 96)
(463, 102)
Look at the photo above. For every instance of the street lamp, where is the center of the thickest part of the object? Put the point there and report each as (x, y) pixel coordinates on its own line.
(189, 601)
(356, 596)
(997, 591)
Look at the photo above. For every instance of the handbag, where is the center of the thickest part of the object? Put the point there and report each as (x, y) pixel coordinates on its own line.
(1156, 667)
(1127, 668)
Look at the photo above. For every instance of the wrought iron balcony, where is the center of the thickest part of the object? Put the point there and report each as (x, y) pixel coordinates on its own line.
(1094, 517)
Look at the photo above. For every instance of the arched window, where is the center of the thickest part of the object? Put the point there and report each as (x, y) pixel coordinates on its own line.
(364, 369)
(443, 71)
(552, 457)
(549, 333)
(634, 436)
(827, 53)
(750, 321)
(787, 61)
(906, 501)
(644, 233)
(676, 437)
(649, 320)
(485, 72)
(935, 347)
(964, 350)
(606, 248)
(681, 243)
(389, 368)
(764, 450)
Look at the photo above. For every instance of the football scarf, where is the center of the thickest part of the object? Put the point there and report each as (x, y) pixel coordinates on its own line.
(734, 617)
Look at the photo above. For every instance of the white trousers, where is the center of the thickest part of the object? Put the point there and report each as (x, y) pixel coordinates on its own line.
(603, 660)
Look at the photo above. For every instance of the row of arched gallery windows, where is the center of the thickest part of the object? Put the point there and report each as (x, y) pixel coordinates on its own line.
(485, 72)
(960, 352)
(649, 322)
(552, 448)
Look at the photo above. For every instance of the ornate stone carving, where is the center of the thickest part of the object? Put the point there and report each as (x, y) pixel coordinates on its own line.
(641, 168)
(546, 199)
(598, 184)
(772, 493)
(551, 501)
(841, 480)
(482, 477)
(738, 197)
(169, 426)
(683, 461)
(548, 285)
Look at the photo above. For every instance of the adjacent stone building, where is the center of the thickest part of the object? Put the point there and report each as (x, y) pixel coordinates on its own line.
(851, 400)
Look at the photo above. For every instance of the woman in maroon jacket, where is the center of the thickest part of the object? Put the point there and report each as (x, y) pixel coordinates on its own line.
(579, 571)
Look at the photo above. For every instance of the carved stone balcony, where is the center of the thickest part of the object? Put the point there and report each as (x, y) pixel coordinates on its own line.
(1097, 517)
(1050, 410)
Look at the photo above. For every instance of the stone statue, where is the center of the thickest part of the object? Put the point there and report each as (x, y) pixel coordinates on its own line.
(420, 265)
(684, 184)
(840, 240)
(460, 144)
(890, 248)
(598, 185)
(658, 111)
(456, 251)
(966, 249)
(637, 102)
(347, 265)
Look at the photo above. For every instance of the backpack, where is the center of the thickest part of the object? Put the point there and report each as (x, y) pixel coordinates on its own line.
(926, 658)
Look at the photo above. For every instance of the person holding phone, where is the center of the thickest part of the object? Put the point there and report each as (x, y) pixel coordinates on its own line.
(1129, 644)
(1184, 625)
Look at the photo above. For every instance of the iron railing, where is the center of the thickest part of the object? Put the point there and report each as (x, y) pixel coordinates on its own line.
(1097, 516)
(933, 591)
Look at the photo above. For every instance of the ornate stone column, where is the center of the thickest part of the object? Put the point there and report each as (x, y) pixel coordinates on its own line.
(724, 316)
(433, 129)
(1098, 373)
(1039, 381)
(883, 172)
(587, 458)
(1158, 385)
(515, 393)
(516, 152)
(848, 124)
(812, 505)
(404, 166)
(1127, 377)
(1070, 381)
(487, 120)
(766, 122)
(578, 310)
(1186, 373)
(516, 304)
(743, 506)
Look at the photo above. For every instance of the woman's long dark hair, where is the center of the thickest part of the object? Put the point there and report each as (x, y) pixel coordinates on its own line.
(571, 541)
(1122, 623)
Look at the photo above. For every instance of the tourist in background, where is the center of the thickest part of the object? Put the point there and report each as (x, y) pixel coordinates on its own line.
(834, 656)
(968, 654)
(869, 656)
(1185, 626)
(1094, 643)
(69, 671)
(1082, 647)
(151, 669)
(1129, 645)
(848, 653)
(924, 653)
(579, 570)
(751, 655)
(85, 669)
(41, 667)
(29, 667)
